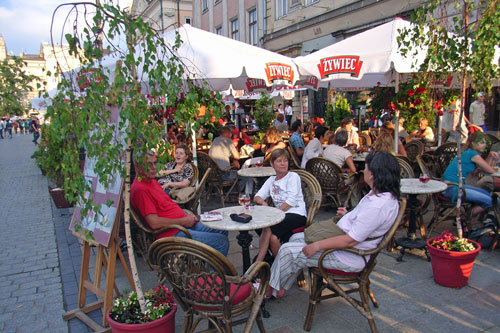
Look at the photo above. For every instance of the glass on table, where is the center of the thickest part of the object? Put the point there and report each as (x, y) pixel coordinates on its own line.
(244, 201)
(424, 178)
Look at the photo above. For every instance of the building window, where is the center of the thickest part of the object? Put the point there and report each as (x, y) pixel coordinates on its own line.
(204, 5)
(218, 31)
(310, 2)
(187, 20)
(217, 1)
(296, 3)
(252, 27)
(235, 29)
(281, 8)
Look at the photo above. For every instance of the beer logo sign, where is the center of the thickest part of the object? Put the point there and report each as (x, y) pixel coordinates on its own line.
(277, 71)
(253, 84)
(340, 64)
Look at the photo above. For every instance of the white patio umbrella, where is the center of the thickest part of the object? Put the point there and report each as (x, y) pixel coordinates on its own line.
(361, 60)
(221, 62)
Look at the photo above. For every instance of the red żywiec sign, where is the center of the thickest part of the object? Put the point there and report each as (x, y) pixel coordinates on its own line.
(254, 84)
(277, 71)
(340, 64)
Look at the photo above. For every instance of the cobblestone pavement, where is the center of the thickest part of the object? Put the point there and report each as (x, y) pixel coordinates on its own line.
(30, 279)
(40, 265)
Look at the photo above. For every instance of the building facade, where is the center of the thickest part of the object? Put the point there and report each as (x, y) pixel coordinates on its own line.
(163, 14)
(50, 58)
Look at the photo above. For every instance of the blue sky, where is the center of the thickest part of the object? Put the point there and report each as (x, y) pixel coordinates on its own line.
(25, 24)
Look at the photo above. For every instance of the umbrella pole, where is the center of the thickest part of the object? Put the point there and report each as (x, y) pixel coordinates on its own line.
(396, 125)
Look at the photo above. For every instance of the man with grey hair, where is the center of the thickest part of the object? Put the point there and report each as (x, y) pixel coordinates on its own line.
(158, 210)
(336, 152)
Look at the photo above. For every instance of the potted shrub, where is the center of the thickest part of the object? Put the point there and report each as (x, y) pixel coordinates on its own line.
(125, 315)
(452, 259)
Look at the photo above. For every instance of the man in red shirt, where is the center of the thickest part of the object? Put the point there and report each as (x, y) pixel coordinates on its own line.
(149, 199)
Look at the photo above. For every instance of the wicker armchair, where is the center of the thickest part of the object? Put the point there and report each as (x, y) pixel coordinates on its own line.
(143, 236)
(215, 181)
(365, 140)
(311, 190)
(193, 201)
(295, 165)
(413, 149)
(496, 208)
(331, 179)
(442, 157)
(335, 279)
(443, 207)
(207, 286)
(406, 169)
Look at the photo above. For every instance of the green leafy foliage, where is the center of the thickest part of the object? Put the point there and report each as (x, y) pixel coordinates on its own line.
(14, 83)
(336, 112)
(147, 72)
(263, 112)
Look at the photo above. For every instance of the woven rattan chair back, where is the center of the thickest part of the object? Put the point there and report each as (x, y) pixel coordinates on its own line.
(311, 190)
(214, 181)
(294, 159)
(201, 279)
(335, 282)
(143, 236)
(330, 178)
(413, 149)
(443, 156)
(406, 171)
(192, 202)
(365, 140)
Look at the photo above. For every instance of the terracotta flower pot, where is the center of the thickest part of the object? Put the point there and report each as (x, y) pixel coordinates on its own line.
(165, 324)
(57, 195)
(451, 268)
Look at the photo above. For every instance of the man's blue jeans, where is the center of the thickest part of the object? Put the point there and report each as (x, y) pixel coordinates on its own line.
(214, 238)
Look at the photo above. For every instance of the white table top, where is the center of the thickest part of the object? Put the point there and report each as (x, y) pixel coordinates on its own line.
(414, 186)
(262, 216)
(496, 174)
(257, 172)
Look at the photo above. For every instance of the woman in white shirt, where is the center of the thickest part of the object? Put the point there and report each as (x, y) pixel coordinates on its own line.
(336, 152)
(286, 192)
(315, 147)
(364, 227)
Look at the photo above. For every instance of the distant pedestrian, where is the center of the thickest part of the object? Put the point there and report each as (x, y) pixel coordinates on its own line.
(16, 126)
(26, 127)
(288, 112)
(477, 110)
(8, 127)
(35, 128)
(2, 127)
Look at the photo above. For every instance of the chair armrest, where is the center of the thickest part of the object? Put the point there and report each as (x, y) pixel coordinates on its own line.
(259, 270)
(156, 232)
(351, 250)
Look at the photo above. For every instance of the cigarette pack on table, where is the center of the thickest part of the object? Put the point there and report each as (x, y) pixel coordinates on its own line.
(211, 216)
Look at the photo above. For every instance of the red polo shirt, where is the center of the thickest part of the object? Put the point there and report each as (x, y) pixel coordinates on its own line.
(147, 197)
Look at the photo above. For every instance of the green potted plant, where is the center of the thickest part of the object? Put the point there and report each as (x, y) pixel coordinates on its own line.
(452, 259)
(159, 316)
(337, 111)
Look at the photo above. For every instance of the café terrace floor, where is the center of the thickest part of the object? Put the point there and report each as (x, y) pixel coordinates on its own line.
(409, 299)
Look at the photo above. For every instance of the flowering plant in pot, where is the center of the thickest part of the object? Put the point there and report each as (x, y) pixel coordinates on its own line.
(159, 314)
(452, 259)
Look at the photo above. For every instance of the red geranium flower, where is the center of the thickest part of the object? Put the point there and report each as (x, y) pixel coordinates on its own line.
(411, 92)
(320, 120)
(438, 104)
(420, 90)
(213, 119)
(440, 112)
(221, 122)
(418, 101)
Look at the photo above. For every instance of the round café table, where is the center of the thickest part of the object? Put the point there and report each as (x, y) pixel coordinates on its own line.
(262, 216)
(413, 187)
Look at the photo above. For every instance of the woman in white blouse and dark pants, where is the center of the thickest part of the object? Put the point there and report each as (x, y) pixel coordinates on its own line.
(286, 192)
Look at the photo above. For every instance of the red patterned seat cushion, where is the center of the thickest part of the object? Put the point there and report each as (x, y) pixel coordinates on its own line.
(338, 272)
(237, 295)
